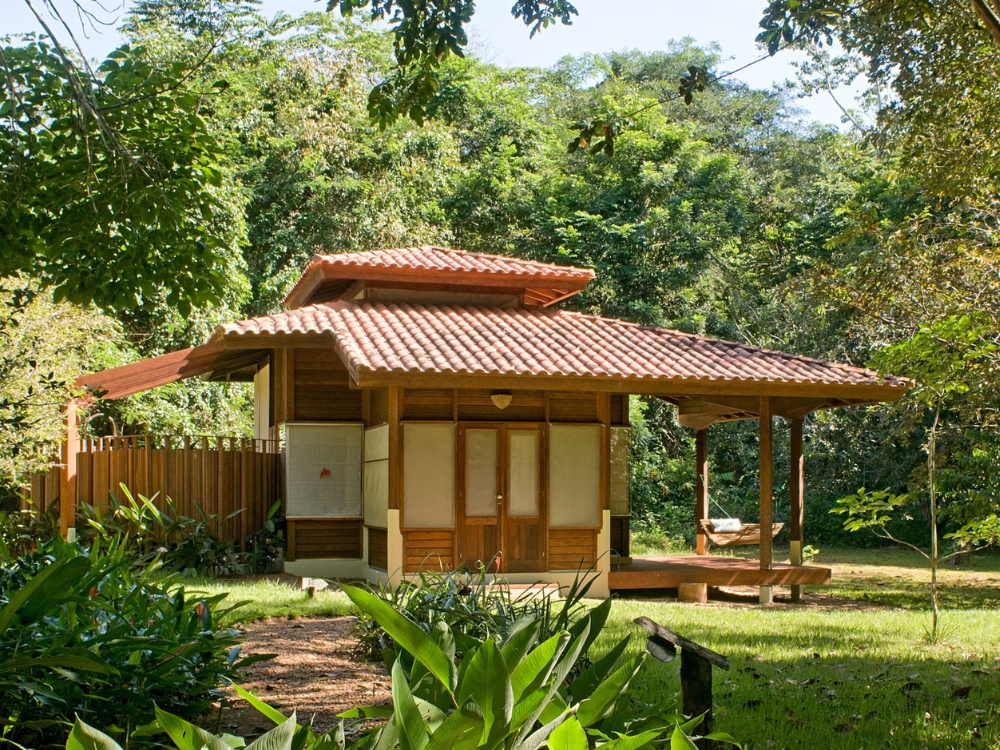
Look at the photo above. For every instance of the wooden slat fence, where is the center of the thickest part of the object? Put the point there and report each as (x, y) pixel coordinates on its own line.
(219, 474)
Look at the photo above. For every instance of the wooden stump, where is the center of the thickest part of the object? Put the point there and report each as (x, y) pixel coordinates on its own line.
(694, 593)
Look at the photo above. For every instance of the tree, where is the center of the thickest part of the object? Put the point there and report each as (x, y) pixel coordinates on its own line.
(934, 65)
(946, 358)
(110, 189)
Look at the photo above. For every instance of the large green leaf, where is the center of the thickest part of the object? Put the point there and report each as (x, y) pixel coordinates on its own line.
(43, 592)
(85, 737)
(533, 670)
(460, 731)
(538, 738)
(632, 742)
(521, 638)
(407, 635)
(412, 732)
(527, 706)
(568, 736)
(270, 712)
(597, 672)
(594, 621)
(486, 681)
(279, 738)
(609, 691)
(185, 735)
(680, 741)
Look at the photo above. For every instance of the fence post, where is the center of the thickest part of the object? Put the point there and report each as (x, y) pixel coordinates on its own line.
(67, 489)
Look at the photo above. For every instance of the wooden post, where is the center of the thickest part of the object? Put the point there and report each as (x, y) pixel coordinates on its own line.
(796, 487)
(766, 496)
(67, 488)
(701, 491)
(696, 671)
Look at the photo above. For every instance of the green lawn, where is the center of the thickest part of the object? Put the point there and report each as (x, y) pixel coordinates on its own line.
(265, 597)
(860, 676)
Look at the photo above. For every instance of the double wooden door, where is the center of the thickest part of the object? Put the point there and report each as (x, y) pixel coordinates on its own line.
(501, 499)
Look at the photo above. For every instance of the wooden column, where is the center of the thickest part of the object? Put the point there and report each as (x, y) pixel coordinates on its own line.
(395, 447)
(67, 486)
(766, 495)
(796, 488)
(701, 491)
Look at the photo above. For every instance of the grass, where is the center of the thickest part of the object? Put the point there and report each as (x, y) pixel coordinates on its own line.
(265, 597)
(856, 677)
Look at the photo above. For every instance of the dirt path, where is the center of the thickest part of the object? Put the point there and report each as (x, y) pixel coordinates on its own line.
(315, 673)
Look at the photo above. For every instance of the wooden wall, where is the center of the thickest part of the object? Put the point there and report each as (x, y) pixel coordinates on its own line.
(572, 549)
(322, 390)
(378, 549)
(428, 549)
(324, 538)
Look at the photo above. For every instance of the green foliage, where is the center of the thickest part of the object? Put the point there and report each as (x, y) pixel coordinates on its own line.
(185, 545)
(85, 633)
(109, 184)
(475, 605)
(181, 544)
(21, 530)
(517, 693)
(43, 346)
(426, 34)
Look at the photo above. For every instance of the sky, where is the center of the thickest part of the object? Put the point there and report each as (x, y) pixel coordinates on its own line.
(602, 26)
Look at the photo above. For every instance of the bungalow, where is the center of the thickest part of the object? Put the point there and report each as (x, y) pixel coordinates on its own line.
(432, 407)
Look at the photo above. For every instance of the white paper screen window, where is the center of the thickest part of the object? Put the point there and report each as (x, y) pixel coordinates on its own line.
(574, 475)
(620, 437)
(522, 481)
(376, 480)
(429, 475)
(481, 473)
(323, 470)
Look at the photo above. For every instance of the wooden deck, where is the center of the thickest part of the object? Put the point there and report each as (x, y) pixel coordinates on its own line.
(670, 572)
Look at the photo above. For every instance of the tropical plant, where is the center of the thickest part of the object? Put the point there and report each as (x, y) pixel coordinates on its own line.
(83, 632)
(476, 605)
(183, 544)
(517, 693)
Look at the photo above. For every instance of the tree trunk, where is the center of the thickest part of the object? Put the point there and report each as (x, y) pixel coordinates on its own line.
(931, 478)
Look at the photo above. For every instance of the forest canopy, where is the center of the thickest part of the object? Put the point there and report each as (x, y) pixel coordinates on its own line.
(726, 216)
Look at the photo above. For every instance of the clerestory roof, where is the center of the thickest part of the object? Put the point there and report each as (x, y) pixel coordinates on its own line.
(328, 276)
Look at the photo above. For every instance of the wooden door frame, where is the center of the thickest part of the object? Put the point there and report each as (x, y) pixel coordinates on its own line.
(503, 480)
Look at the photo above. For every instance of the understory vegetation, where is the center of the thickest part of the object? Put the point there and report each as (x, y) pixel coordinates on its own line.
(91, 632)
(859, 672)
(729, 216)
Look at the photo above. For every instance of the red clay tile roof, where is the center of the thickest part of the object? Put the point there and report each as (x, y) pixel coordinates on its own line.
(377, 339)
(441, 267)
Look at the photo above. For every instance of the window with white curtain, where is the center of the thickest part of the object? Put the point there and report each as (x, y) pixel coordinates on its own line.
(428, 475)
(574, 475)
(323, 470)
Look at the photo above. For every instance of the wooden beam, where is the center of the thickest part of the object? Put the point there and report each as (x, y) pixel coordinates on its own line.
(67, 488)
(766, 450)
(395, 447)
(701, 491)
(796, 487)
(642, 386)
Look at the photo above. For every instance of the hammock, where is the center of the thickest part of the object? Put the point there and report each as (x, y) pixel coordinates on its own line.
(748, 533)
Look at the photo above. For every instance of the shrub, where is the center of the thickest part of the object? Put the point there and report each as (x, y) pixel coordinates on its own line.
(20, 530)
(183, 544)
(84, 632)
(475, 605)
